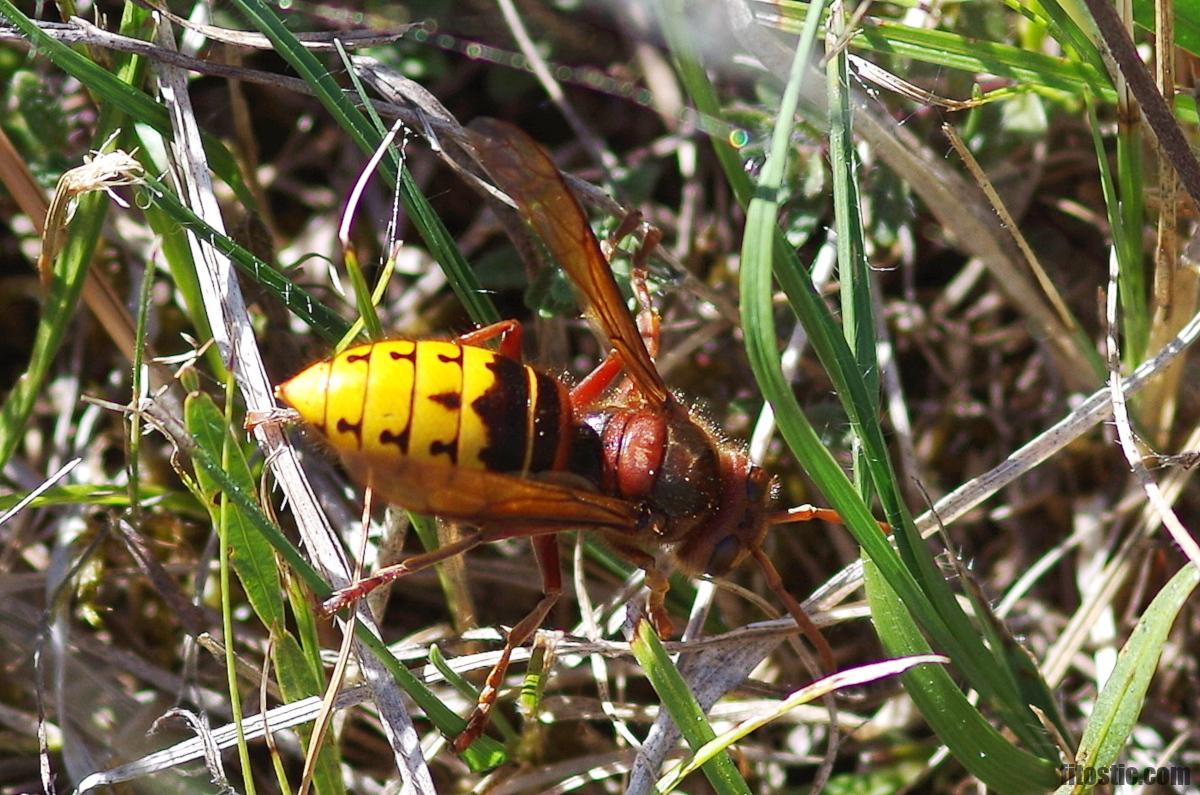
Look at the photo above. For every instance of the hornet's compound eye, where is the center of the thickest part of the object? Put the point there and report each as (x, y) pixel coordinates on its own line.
(758, 486)
(725, 555)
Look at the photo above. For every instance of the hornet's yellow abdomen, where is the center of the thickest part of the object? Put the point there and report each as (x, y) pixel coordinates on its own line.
(405, 410)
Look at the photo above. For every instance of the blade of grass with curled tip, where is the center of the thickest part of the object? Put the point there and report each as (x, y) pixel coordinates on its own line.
(676, 698)
(441, 245)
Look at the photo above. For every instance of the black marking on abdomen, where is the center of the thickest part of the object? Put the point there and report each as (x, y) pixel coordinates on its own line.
(547, 427)
(450, 448)
(359, 357)
(345, 426)
(402, 438)
(503, 410)
(450, 400)
(398, 439)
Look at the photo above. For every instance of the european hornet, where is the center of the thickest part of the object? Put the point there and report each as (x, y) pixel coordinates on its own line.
(473, 435)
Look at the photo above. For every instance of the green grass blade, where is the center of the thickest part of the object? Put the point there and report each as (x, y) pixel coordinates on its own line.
(132, 17)
(858, 309)
(972, 740)
(441, 245)
(174, 249)
(955, 51)
(321, 318)
(113, 94)
(224, 517)
(917, 579)
(297, 681)
(253, 557)
(674, 695)
(469, 691)
(70, 268)
(1072, 26)
(109, 496)
(1125, 222)
(863, 675)
(362, 297)
(1124, 694)
(68, 274)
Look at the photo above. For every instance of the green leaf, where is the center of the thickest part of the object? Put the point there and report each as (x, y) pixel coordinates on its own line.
(297, 682)
(1124, 694)
(975, 744)
(252, 556)
(674, 695)
(1187, 22)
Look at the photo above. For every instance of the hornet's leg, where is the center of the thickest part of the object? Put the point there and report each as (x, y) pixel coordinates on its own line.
(807, 513)
(509, 332)
(656, 582)
(546, 549)
(597, 381)
(647, 318)
(344, 597)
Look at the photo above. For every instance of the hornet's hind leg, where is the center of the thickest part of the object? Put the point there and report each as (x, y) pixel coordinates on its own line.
(546, 549)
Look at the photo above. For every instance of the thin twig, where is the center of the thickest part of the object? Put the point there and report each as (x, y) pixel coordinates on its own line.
(1125, 432)
(1154, 107)
(1009, 223)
